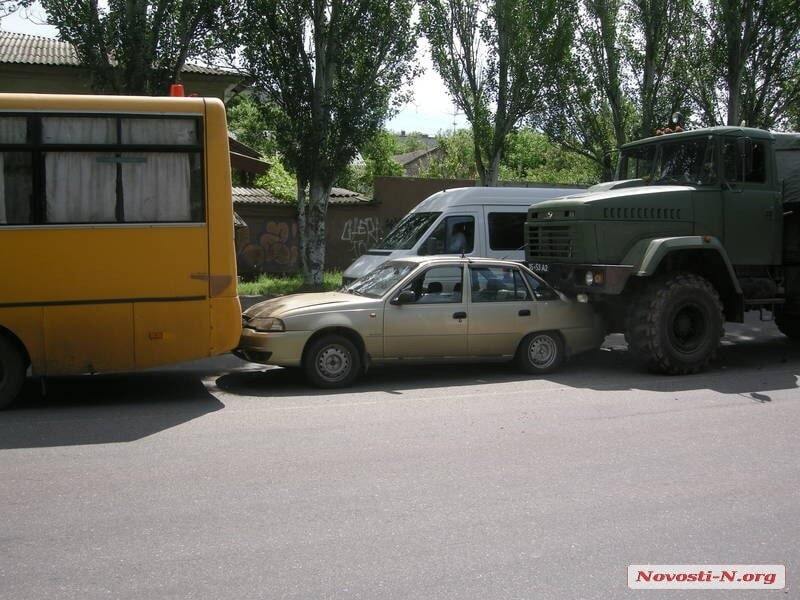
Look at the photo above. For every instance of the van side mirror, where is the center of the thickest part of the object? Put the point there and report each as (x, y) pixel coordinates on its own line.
(745, 146)
(405, 297)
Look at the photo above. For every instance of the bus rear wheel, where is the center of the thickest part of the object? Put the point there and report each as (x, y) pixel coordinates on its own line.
(12, 372)
(676, 324)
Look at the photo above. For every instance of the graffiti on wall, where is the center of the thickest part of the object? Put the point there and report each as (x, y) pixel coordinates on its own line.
(361, 234)
(273, 248)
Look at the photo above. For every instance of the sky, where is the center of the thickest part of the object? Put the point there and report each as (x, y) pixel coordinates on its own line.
(430, 110)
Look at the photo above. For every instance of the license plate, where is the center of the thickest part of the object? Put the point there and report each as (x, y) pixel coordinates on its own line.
(540, 267)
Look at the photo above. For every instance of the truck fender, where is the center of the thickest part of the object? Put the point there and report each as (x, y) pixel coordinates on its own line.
(649, 253)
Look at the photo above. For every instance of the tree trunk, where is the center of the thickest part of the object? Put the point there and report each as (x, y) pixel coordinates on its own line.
(492, 172)
(311, 212)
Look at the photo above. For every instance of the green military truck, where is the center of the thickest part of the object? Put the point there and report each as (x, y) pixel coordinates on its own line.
(698, 228)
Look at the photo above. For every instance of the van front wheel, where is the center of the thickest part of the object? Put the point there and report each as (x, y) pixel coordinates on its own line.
(12, 372)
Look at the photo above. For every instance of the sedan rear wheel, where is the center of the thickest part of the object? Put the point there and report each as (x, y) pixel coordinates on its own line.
(541, 353)
(332, 361)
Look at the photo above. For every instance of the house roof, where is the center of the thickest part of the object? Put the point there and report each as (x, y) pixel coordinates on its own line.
(409, 157)
(22, 48)
(248, 195)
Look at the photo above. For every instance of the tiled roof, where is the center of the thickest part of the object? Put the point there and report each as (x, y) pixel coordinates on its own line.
(21, 48)
(247, 195)
(409, 157)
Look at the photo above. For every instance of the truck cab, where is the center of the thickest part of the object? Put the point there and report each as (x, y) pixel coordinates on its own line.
(712, 209)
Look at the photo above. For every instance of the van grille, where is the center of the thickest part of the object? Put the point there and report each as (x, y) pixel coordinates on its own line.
(551, 241)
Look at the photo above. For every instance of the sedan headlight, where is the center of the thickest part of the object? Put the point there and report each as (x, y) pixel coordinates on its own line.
(589, 278)
(266, 324)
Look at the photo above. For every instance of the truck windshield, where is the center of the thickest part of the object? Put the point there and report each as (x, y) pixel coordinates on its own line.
(636, 163)
(407, 232)
(688, 161)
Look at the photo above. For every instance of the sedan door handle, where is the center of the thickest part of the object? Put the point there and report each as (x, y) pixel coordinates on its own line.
(460, 315)
(524, 313)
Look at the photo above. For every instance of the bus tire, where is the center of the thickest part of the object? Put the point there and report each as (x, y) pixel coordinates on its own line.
(12, 371)
(332, 361)
(676, 324)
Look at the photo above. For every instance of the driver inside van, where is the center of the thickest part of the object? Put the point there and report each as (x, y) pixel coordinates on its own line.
(458, 239)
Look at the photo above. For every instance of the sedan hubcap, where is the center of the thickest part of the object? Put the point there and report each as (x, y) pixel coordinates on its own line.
(542, 351)
(333, 363)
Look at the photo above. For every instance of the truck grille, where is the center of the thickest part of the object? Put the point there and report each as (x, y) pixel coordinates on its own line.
(551, 241)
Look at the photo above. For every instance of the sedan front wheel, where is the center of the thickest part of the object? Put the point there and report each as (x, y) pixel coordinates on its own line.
(541, 353)
(332, 361)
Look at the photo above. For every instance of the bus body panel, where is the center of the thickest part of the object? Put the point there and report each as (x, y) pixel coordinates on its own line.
(89, 298)
(222, 255)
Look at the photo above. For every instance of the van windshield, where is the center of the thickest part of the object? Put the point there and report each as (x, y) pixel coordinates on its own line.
(407, 232)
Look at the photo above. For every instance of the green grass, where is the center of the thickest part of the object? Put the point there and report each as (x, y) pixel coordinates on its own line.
(281, 285)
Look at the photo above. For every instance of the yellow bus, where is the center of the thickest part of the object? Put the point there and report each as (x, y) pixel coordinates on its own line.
(116, 235)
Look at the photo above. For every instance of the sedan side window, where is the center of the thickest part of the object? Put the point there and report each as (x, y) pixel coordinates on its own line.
(438, 285)
(453, 235)
(497, 284)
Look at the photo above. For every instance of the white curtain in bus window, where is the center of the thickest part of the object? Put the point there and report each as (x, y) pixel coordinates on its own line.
(80, 187)
(156, 187)
(164, 132)
(79, 130)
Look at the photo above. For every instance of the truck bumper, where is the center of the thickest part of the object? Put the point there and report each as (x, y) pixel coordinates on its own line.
(571, 278)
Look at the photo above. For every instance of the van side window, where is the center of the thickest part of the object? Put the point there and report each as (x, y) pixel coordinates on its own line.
(506, 230)
(454, 235)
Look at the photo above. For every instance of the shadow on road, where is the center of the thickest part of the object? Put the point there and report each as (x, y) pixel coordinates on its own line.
(753, 359)
(104, 409)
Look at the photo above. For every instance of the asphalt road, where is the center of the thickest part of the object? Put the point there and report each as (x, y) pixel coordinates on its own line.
(224, 480)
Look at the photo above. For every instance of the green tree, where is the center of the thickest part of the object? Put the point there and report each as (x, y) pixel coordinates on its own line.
(590, 114)
(499, 60)
(653, 52)
(456, 159)
(377, 161)
(141, 46)
(332, 69)
(7, 7)
(250, 121)
(531, 156)
(746, 64)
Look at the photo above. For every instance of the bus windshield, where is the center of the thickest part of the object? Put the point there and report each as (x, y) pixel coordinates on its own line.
(408, 231)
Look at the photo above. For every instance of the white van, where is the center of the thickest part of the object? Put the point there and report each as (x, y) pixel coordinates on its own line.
(474, 221)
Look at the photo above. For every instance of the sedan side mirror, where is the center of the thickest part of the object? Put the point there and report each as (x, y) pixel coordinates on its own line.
(405, 297)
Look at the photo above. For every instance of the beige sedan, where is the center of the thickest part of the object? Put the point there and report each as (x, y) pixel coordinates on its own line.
(421, 309)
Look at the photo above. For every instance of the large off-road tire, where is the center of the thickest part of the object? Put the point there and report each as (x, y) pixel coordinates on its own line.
(788, 324)
(12, 371)
(675, 324)
(541, 353)
(332, 361)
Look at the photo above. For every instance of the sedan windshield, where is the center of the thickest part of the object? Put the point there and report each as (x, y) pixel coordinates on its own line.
(407, 232)
(381, 280)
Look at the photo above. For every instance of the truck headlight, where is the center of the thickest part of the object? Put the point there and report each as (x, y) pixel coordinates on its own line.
(267, 324)
(589, 278)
